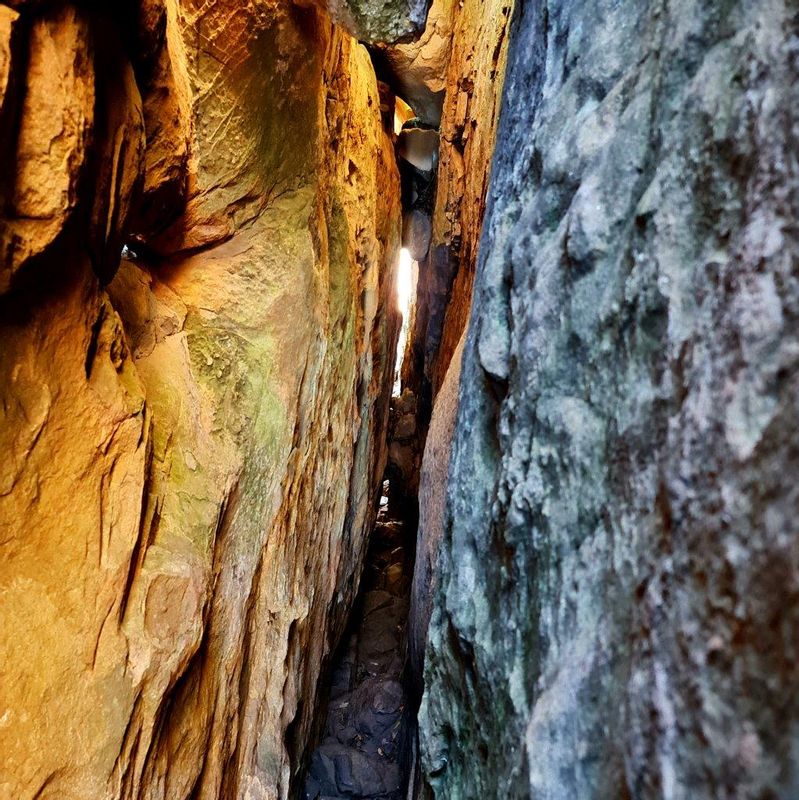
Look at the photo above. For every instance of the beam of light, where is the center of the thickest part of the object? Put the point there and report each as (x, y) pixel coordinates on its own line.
(402, 113)
(406, 288)
(404, 282)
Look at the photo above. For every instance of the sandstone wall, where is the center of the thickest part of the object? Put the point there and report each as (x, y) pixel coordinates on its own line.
(616, 610)
(433, 474)
(473, 80)
(192, 440)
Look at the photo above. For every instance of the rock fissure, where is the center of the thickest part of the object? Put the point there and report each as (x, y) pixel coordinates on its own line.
(397, 399)
(365, 747)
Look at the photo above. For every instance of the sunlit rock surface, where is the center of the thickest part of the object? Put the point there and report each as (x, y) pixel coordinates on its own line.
(475, 79)
(192, 441)
(616, 612)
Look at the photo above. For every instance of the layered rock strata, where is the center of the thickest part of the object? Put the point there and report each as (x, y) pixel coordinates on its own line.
(193, 439)
(616, 607)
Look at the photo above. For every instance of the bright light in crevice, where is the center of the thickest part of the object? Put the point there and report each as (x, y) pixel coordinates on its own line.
(406, 289)
(404, 282)
(402, 113)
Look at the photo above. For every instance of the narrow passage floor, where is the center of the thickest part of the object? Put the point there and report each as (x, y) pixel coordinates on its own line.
(365, 747)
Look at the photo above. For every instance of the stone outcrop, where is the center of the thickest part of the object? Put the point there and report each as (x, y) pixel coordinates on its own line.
(419, 68)
(473, 79)
(200, 215)
(193, 438)
(616, 603)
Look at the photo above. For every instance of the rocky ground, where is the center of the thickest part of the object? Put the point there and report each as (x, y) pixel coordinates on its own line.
(364, 747)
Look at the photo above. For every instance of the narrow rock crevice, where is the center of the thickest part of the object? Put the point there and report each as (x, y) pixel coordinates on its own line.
(365, 748)
(367, 721)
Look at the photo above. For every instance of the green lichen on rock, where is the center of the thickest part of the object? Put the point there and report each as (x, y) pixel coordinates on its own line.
(383, 21)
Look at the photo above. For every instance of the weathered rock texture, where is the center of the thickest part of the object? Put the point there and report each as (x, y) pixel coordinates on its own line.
(618, 590)
(419, 68)
(380, 21)
(474, 77)
(432, 509)
(446, 276)
(190, 454)
(363, 752)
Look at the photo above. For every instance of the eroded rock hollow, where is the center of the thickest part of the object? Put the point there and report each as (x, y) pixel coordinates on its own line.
(212, 213)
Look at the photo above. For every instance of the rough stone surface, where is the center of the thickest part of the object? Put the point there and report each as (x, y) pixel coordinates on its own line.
(364, 752)
(10, 53)
(432, 508)
(419, 69)
(473, 78)
(381, 21)
(55, 94)
(404, 456)
(617, 602)
(444, 296)
(468, 130)
(190, 455)
(419, 147)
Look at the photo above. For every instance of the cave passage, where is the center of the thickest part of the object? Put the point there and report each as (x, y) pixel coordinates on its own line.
(366, 743)
(365, 749)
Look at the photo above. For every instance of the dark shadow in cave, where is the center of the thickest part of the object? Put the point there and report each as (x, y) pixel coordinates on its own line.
(366, 743)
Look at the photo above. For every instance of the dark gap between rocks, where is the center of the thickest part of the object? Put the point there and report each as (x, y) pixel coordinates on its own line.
(366, 743)
(366, 749)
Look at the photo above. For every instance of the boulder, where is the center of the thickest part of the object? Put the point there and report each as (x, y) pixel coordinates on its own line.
(416, 233)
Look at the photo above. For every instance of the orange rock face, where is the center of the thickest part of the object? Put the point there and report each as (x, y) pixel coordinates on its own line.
(193, 438)
(468, 131)
(474, 74)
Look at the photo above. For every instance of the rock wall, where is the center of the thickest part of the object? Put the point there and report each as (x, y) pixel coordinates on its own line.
(617, 604)
(463, 49)
(193, 440)
(474, 75)
(433, 475)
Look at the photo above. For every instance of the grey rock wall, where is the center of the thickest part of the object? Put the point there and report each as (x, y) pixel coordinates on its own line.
(616, 613)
